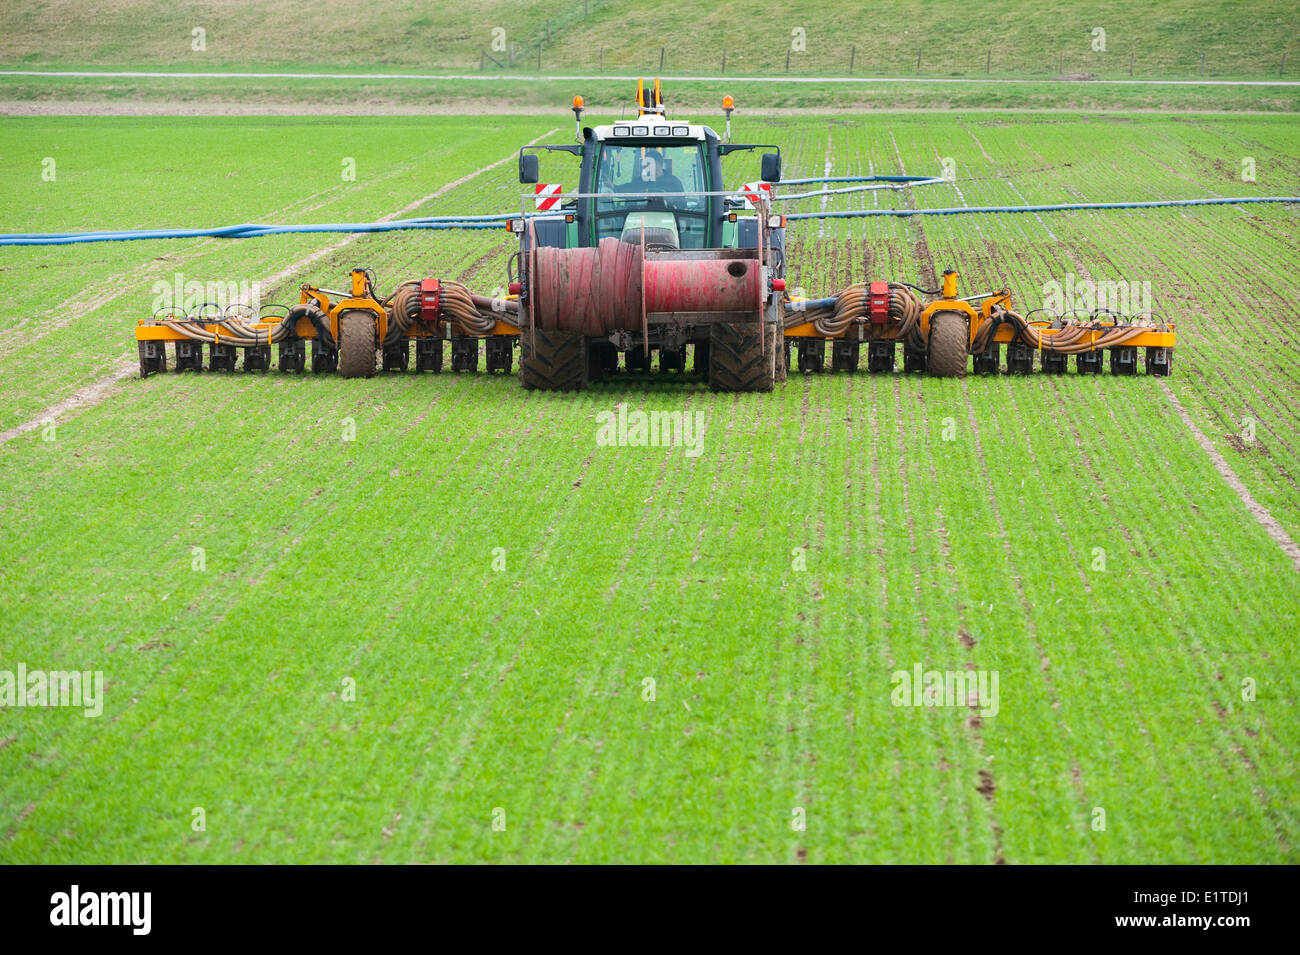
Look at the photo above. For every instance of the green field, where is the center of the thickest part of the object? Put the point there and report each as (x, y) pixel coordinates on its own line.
(497, 586)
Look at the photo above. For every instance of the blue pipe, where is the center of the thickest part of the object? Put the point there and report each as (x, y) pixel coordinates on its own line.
(1060, 207)
(802, 182)
(242, 231)
(810, 303)
(850, 189)
(492, 221)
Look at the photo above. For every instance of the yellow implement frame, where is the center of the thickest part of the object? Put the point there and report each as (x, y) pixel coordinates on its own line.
(1158, 336)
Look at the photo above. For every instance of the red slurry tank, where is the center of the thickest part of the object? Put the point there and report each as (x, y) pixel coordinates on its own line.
(614, 286)
(677, 284)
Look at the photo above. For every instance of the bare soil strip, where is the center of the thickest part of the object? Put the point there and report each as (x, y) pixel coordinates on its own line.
(91, 394)
(94, 393)
(1257, 510)
(484, 107)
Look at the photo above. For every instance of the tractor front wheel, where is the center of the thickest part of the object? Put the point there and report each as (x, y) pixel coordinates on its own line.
(358, 343)
(949, 344)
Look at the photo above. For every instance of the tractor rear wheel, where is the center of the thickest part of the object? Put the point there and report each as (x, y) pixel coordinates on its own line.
(738, 360)
(553, 360)
(949, 343)
(358, 342)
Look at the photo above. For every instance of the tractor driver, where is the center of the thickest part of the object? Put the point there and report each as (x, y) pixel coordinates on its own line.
(653, 176)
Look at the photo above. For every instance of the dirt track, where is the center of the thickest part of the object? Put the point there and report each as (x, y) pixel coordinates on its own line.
(462, 107)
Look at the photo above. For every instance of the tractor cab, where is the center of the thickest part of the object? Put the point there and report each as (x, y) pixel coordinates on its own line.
(651, 183)
(651, 178)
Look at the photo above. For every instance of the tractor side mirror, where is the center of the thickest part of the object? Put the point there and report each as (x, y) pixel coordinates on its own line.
(771, 167)
(528, 167)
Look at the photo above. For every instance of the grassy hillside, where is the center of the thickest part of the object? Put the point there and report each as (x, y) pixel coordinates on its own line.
(1025, 38)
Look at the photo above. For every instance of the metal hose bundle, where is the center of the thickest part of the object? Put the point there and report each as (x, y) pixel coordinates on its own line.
(1072, 338)
(233, 330)
(403, 311)
(851, 305)
(473, 313)
(476, 315)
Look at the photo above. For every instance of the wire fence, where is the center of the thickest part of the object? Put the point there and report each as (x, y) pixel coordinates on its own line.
(1079, 57)
(931, 63)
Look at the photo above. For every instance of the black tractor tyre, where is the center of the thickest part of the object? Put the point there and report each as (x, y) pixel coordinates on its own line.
(358, 343)
(738, 360)
(949, 345)
(552, 360)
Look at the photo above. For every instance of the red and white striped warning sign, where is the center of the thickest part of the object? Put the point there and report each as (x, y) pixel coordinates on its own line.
(548, 195)
(753, 190)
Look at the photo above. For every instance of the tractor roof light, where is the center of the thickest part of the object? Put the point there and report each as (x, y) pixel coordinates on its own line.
(640, 130)
(681, 130)
(776, 222)
(663, 131)
(622, 131)
(577, 118)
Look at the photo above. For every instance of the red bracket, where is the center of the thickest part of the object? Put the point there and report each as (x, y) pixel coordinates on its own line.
(878, 303)
(430, 300)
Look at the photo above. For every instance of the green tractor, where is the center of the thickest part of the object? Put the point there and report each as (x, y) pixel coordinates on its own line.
(652, 255)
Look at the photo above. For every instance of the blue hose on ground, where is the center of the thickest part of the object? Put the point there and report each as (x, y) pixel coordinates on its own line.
(804, 182)
(244, 231)
(1059, 207)
(251, 230)
(847, 189)
(812, 303)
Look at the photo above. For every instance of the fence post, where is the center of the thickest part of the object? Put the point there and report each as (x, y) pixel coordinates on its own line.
(988, 60)
(918, 61)
(724, 61)
(539, 58)
(787, 61)
(661, 59)
(602, 59)
(853, 52)
(1282, 71)
(1202, 62)
(1130, 63)
(482, 61)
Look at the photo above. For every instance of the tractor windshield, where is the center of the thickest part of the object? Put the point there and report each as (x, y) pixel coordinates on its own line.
(635, 170)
